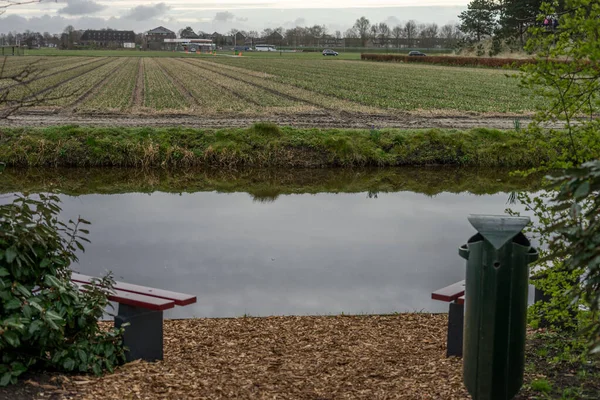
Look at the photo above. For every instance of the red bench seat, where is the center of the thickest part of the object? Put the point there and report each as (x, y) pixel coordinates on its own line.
(179, 299)
(450, 293)
(141, 313)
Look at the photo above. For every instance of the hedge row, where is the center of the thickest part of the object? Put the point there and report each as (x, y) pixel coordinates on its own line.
(455, 61)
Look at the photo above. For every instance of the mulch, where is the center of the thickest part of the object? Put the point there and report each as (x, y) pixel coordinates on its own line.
(318, 358)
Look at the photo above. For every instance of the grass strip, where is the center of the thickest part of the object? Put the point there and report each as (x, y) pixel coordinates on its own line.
(267, 145)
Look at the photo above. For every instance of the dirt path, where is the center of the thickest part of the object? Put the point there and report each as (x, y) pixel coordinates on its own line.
(315, 120)
(299, 358)
(138, 91)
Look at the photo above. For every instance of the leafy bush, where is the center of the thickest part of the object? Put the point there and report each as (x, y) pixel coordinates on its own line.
(45, 321)
(576, 239)
(566, 73)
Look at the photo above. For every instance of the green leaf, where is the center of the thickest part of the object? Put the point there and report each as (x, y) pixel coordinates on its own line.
(97, 369)
(82, 356)
(582, 190)
(10, 254)
(69, 364)
(5, 380)
(11, 338)
(52, 324)
(18, 368)
(52, 281)
(4, 272)
(23, 290)
(27, 311)
(12, 304)
(51, 315)
(35, 326)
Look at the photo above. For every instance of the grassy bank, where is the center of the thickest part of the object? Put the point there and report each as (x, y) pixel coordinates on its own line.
(266, 145)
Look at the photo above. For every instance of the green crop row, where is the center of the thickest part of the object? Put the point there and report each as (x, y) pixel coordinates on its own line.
(116, 95)
(160, 92)
(281, 85)
(399, 86)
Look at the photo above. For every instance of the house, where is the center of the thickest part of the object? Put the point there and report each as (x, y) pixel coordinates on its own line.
(274, 38)
(239, 39)
(107, 38)
(155, 38)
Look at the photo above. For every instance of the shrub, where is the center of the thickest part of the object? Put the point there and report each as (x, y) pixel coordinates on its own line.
(45, 321)
(452, 61)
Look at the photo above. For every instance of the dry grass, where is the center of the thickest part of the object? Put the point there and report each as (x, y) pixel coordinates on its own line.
(359, 357)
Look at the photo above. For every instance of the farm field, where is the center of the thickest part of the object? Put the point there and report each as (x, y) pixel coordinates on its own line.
(237, 87)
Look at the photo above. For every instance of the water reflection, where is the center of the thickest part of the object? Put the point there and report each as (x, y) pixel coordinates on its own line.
(267, 185)
(377, 250)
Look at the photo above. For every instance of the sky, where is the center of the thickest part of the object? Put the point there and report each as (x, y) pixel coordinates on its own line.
(213, 15)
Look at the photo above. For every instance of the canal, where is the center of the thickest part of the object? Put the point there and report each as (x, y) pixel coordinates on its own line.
(265, 243)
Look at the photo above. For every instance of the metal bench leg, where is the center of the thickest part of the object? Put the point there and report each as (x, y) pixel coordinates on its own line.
(456, 316)
(144, 335)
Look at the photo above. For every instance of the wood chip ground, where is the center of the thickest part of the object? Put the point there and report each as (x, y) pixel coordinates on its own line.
(344, 357)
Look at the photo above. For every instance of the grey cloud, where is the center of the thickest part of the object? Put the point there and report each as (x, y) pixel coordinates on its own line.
(223, 16)
(143, 13)
(241, 19)
(81, 7)
(300, 22)
(392, 21)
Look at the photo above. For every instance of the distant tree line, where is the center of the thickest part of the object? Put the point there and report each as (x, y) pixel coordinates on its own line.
(362, 34)
(508, 20)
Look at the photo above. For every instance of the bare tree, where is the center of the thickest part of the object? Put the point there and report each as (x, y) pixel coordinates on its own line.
(384, 33)
(397, 33)
(17, 87)
(351, 34)
(410, 31)
(5, 4)
(374, 32)
(428, 34)
(252, 35)
(16, 90)
(361, 26)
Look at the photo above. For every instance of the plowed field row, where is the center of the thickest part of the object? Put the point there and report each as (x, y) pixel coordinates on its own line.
(242, 88)
(83, 85)
(294, 93)
(208, 94)
(265, 86)
(40, 71)
(400, 86)
(160, 92)
(117, 93)
(47, 83)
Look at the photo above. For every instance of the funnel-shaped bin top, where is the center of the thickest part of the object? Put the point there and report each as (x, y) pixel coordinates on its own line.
(498, 229)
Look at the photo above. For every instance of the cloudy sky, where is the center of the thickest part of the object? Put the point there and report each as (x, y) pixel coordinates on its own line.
(212, 15)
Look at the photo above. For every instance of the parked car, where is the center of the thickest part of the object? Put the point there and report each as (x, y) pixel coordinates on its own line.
(416, 54)
(328, 52)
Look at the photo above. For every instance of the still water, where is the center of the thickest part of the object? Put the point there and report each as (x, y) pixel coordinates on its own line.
(318, 253)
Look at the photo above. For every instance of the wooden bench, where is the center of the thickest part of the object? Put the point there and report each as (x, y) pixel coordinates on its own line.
(142, 307)
(455, 295)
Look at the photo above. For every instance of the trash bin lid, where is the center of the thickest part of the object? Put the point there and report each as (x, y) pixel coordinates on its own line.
(498, 229)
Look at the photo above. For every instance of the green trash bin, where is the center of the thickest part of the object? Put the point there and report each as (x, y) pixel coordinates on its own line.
(496, 291)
